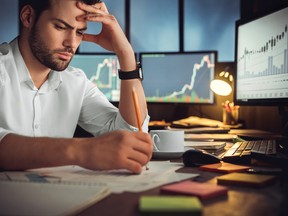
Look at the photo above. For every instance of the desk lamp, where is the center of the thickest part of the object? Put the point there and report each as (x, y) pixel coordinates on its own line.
(222, 85)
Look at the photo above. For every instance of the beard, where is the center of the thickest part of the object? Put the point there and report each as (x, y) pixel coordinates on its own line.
(46, 56)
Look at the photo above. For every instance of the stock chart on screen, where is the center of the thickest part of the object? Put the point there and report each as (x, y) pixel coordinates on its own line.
(102, 70)
(178, 77)
(262, 57)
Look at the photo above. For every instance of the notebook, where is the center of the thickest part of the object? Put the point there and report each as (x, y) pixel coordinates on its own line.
(35, 198)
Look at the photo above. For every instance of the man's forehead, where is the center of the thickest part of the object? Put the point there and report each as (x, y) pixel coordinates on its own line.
(67, 5)
(67, 11)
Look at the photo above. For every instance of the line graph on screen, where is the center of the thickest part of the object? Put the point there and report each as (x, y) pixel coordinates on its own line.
(181, 78)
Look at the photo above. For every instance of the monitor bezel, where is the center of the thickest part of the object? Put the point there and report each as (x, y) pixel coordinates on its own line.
(255, 102)
(215, 52)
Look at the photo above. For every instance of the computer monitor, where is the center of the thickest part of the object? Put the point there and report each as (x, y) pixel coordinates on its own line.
(101, 69)
(262, 59)
(178, 77)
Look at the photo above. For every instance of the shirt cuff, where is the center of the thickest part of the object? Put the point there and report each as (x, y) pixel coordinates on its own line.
(3, 133)
(124, 125)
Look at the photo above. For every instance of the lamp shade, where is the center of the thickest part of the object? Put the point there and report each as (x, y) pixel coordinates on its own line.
(222, 85)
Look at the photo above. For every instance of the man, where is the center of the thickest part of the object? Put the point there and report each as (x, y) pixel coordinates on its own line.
(42, 100)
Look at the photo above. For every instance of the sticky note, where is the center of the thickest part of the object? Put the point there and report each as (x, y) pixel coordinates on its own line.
(169, 205)
(246, 179)
(224, 167)
(201, 190)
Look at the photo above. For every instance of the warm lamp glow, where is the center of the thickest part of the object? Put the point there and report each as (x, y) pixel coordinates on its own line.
(220, 87)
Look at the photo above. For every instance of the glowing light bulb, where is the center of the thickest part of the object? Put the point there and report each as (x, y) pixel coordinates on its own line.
(220, 87)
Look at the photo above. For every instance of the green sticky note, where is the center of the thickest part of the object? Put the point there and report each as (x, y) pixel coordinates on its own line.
(172, 205)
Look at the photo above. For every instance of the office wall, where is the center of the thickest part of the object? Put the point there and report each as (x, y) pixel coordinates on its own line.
(8, 20)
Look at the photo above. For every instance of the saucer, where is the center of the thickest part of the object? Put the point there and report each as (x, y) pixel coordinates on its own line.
(167, 155)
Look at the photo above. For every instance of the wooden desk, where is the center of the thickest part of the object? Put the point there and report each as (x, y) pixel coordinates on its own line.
(270, 200)
(241, 201)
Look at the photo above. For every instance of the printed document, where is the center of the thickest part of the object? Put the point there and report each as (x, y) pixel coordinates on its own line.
(118, 181)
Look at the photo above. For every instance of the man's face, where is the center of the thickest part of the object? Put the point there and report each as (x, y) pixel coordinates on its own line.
(56, 35)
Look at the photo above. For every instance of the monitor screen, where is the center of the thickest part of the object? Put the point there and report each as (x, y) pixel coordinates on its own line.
(262, 60)
(101, 69)
(178, 77)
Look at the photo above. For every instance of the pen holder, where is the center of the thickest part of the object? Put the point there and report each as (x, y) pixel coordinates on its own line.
(230, 116)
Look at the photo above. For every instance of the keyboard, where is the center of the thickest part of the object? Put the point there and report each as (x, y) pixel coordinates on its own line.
(268, 151)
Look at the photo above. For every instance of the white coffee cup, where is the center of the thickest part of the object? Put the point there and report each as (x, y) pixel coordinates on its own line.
(167, 140)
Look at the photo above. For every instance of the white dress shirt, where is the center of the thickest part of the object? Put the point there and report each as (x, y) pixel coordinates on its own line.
(66, 99)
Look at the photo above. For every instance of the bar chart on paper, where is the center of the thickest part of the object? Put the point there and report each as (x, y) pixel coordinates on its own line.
(265, 62)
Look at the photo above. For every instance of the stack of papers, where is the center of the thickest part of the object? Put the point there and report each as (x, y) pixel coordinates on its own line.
(213, 146)
(210, 137)
(35, 198)
(68, 190)
(194, 121)
(199, 130)
(118, 181)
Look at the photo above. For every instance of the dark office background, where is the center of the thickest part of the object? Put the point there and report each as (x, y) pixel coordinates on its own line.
(177, 25)
(159, 25)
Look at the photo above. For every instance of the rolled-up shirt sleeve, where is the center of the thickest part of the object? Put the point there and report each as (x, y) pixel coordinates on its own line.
(123, 124)
(3, 133)
(99, 116)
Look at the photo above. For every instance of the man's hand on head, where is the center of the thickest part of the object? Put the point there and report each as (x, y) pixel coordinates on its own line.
(111, 37)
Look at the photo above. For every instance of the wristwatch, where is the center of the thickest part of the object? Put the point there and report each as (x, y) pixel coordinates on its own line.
(135, 74)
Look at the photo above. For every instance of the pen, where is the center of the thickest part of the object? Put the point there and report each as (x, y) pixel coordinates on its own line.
(138, 116)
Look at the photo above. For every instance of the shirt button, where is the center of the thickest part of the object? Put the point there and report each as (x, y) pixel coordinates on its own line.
(36, 126)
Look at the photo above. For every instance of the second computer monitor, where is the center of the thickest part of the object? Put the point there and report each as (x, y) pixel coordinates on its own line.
(102, 70)
(178, 77)
(262, 59)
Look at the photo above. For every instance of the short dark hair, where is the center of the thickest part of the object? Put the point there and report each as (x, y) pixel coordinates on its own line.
(40, 5)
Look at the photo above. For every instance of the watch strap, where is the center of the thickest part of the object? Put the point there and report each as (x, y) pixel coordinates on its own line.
(134, 74)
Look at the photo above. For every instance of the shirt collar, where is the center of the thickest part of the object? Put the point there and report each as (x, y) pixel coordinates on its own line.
(54, 78)
(20, 64)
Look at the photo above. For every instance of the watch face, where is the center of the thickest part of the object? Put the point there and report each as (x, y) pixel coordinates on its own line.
(140, 73)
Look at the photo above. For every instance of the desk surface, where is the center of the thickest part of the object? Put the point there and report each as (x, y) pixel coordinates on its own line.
(270, 200)
(246, 201)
